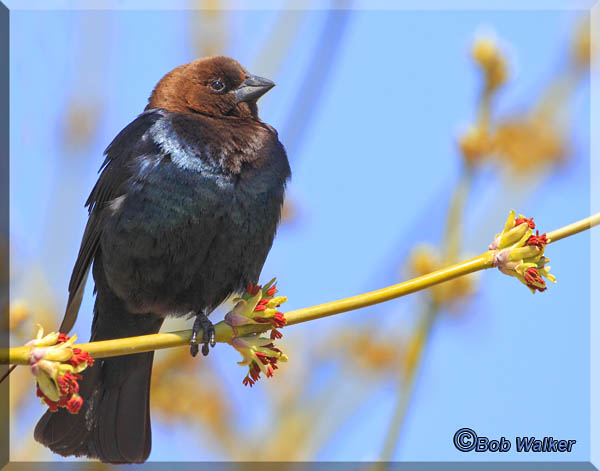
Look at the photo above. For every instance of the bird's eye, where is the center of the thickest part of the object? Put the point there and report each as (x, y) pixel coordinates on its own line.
(217, 85)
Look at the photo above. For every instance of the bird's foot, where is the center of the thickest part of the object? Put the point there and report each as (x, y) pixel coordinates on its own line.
(208, 334)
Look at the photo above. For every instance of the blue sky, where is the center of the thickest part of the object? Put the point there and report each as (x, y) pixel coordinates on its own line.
(372, 175)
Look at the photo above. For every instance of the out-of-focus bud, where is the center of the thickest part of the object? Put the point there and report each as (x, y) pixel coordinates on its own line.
(289, 210)
(582, 47)
(528, 143)
(487, 55)
(475, 144)
(485, 51)
(424, 259)
(19, 313)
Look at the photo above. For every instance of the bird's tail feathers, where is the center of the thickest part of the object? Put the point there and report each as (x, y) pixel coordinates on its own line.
(113, 424)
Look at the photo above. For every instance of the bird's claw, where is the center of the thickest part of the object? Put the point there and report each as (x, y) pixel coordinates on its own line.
(208, 334)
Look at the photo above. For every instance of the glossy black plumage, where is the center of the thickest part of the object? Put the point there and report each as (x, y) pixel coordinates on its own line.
(183, 215)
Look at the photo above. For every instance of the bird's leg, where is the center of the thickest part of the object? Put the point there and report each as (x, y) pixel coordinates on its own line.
(208, 334)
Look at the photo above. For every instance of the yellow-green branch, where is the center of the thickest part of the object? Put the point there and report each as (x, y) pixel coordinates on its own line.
(574, 228)
(224, 333)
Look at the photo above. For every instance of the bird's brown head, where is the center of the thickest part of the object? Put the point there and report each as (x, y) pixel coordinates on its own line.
(213, 86)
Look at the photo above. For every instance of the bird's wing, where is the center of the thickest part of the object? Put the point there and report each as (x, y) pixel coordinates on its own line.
(115, 172)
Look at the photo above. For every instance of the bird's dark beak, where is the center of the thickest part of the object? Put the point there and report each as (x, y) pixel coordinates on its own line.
(252, 88)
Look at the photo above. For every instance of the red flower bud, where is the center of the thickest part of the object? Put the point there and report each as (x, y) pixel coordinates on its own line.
(278, 320)
(74, 404)
(252, 289)
(529, 222)
(538, 240)
(534, 280)
(67, 383)
(275, 334)
(80, 357)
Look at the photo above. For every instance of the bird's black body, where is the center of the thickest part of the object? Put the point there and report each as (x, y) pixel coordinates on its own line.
(183, 215)
(181, 231)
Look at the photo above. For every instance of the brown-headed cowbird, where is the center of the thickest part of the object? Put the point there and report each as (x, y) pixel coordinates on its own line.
(182, 216)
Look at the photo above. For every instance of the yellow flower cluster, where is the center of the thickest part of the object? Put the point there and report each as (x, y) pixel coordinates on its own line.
(258, 305)
(56, 366)
(259, 355)
(520, 253)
